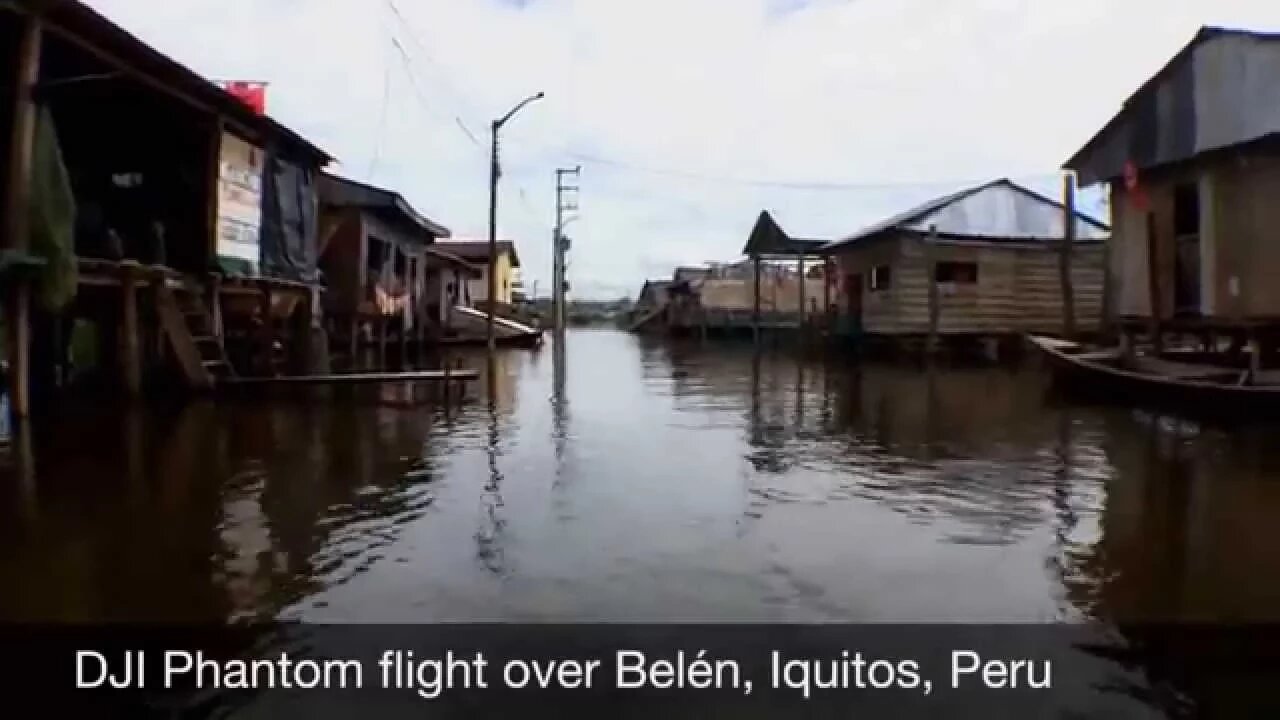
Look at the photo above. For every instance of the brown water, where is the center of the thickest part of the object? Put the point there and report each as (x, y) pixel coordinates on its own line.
(639, 480)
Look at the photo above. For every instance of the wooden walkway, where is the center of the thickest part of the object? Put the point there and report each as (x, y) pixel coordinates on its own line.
(416, 376)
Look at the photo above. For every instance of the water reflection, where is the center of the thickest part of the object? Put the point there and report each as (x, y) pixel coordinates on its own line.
(489, 539)
(690, 482)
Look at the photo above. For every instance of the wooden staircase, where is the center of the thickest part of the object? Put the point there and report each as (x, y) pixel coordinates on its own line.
(192, 335)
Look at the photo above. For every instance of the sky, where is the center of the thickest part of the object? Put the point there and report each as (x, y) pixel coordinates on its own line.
(688, 117)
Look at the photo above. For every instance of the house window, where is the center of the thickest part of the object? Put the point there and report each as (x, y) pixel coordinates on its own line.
(881, 278)
(377, 256)
(957, 273)
(400, 262)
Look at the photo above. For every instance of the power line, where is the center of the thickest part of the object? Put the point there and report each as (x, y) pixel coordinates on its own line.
(425, 54)
(422, 100)
(756, 182)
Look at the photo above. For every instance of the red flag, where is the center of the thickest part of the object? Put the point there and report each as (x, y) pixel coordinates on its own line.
(253, 94)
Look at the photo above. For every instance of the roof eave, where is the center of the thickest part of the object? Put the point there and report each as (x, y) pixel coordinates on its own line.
(80, 23)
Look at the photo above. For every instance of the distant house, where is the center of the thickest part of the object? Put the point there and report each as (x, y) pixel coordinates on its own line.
(690, 276)
(991, 250)
(477, 253)
(1194, 175)
(653, 294)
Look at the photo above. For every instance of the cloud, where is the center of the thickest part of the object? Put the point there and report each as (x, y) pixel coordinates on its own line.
(899, 99)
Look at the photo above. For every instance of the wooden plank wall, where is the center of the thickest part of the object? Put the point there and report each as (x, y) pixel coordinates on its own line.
(1018, 289)
(880, 308)
(1244, 196)
(775, 295)
(341, 261)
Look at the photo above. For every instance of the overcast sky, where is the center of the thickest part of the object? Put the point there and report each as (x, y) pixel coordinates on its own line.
(687, 116)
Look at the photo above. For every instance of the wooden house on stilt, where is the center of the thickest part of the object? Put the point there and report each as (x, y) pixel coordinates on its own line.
(982, 264)
(172, 224)
(387, 279)
(1192, 160)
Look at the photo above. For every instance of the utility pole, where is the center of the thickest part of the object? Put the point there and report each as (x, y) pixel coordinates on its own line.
(560, 244)
(495, 171)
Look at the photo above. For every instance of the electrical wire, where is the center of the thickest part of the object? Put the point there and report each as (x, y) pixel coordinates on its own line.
(421, 49)
(382, 120)
(421, 97)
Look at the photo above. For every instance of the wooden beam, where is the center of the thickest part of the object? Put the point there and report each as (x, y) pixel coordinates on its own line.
(130, 70)
(1064, 255)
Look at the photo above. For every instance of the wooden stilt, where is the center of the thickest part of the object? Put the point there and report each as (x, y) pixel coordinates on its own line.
(802, 312)
(935, 302)
(1153, 283)
(215, 307)
(266, 333)
(827, 273)
(19, 321)
(755, 299)
(1255, 356)
(15, 209)
(131, 352)
(353, 341)
(1064, 256)
(382, 342)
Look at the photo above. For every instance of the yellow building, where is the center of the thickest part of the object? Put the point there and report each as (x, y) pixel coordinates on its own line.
(477, 253)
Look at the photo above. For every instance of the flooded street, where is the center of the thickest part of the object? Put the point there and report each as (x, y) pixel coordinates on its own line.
(641, 480)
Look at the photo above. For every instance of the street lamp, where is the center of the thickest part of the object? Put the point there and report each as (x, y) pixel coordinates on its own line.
(493, 214)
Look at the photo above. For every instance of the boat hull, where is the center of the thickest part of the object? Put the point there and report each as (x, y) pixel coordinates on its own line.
(1097, 380)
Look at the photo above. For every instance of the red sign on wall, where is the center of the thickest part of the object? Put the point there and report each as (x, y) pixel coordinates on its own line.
(253, 94)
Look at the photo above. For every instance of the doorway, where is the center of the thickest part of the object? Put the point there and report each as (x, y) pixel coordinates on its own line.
(853, 303)
(1186, 264)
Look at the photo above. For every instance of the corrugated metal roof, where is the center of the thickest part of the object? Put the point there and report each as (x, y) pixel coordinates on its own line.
(998, 210)
(345, 192)
(478, 250)
(453, 260)
(1218, 91)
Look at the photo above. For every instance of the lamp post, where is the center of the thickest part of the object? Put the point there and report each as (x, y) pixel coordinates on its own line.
(493, 214)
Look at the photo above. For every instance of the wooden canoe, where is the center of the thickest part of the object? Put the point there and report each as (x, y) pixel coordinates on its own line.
(1200, 389)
